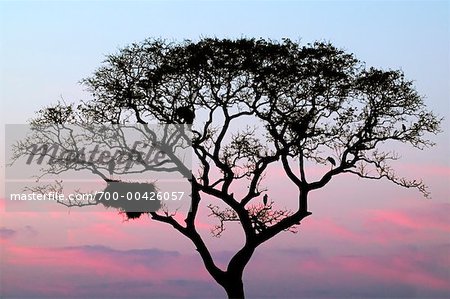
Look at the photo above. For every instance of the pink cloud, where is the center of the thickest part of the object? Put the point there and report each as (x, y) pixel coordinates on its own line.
(415, 220)
(397, 272)
(421, 222)
(65, 266)
(401, 267)
(296, 270)
(331, 229)
(427, 222)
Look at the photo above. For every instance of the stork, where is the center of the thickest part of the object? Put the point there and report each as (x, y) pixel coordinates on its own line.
(332, 161)
(111, 167)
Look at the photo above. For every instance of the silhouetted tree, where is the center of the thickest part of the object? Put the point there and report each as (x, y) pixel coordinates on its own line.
(255, 103)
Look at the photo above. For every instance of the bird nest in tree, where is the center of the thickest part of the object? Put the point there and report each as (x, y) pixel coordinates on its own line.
(132, 198)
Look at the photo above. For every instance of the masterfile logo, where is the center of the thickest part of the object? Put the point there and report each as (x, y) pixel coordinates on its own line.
(133, 168)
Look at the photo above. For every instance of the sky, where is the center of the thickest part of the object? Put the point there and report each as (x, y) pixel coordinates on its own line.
(364, 238)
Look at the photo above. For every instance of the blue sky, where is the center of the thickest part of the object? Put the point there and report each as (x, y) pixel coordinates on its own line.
(46, 47)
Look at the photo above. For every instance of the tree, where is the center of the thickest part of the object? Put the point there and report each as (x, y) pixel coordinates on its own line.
(303, 106)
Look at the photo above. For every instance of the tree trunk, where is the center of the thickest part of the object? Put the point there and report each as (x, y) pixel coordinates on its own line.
(234, 287)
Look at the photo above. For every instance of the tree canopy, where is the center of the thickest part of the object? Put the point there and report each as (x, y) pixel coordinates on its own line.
(254, 103)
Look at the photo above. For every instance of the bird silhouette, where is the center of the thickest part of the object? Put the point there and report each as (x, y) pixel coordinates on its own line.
(403, 127)
(111, 167)
(265, 199)
(332, 161)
